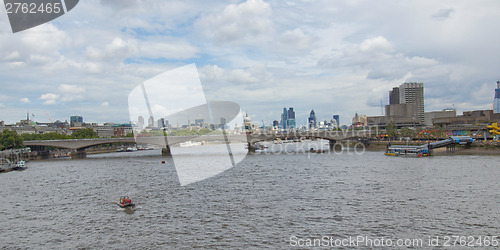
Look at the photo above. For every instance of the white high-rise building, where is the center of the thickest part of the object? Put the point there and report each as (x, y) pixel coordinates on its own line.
(413, 93)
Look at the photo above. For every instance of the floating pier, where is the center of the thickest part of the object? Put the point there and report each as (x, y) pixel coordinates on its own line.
(426, 149)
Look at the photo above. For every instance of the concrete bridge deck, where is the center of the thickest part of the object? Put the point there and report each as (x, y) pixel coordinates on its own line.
(79, 145)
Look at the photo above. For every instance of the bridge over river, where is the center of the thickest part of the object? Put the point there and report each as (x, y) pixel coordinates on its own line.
(79, 146)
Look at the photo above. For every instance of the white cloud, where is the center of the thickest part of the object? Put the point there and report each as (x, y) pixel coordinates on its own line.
(25, 100)
(251, 75)
(167, 49)
(92, 68)
(119, 48)
(49, 98)
(377, 44)
(265, 54)
(295, 39)
(71, 92)
(248, 21)
(14, 55)
(45, 39)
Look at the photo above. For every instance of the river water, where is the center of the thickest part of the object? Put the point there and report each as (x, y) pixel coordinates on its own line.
(268, 200)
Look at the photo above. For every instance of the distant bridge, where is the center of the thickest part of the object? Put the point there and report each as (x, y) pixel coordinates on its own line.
(79, 145)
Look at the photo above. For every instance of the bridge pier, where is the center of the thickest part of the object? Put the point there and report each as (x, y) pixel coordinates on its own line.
(251, 148)
(450, 149)
(166, 152)
(333, 145)
(79, 153)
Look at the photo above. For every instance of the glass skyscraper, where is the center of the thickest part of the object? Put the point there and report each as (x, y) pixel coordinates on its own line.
(312, 120)
(337, 119)
(291, 118)
(288, 118)
(284, 118)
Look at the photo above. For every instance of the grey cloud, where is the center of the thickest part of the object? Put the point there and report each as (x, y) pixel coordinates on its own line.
(122, 4)
(443, 14)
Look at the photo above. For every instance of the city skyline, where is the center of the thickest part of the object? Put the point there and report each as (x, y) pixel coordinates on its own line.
(405, 101)
(340, 58)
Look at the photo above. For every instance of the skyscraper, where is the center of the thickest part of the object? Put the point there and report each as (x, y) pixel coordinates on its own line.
(337, 119)
(151, 122)
(413, 93)
(394, 96)
(161, 122)
(276, 124)
(291, 118)
(312, 120)
(284, 118)
(222, 123)
(496, 101)
(140, 122)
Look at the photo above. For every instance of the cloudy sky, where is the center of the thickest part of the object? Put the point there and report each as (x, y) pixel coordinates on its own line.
(336, 57)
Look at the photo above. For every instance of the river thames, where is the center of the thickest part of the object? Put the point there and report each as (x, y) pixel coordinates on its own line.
(268, 200)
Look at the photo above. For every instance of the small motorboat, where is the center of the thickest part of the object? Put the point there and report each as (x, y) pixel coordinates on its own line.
(125, 202)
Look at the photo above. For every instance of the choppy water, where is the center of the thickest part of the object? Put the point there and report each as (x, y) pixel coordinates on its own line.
(261, 203)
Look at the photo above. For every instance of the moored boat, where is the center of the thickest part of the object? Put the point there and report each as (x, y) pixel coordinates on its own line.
(189, 144)
(20, 165)
(5, 165)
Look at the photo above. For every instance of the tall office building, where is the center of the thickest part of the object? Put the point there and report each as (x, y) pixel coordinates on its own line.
(290, 122)
(161, 122)
(75, 119)
(312, 120)
(199, 122)
(336, 118)
(284, 118)
(151, 122)
(394, 96)
(222, 124)
(276, 124)
(496, 101)
(140, 122)
(413, 93)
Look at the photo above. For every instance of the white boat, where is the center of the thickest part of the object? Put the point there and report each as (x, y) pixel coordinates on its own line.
(189, 144)
(5, 165)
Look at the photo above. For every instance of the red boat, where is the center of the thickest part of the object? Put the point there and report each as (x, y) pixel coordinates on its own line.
(125, 202)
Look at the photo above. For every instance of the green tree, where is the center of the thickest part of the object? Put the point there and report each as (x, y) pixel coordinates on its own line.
(407, 132)
(10, 139)
(129, 135)
(46, 136)
(84, 134)
(391, 131)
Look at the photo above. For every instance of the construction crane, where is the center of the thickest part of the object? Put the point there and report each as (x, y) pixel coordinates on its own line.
(494, 129)
(48, 117)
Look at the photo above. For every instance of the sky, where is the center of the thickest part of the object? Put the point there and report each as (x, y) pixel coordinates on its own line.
(336, 57)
